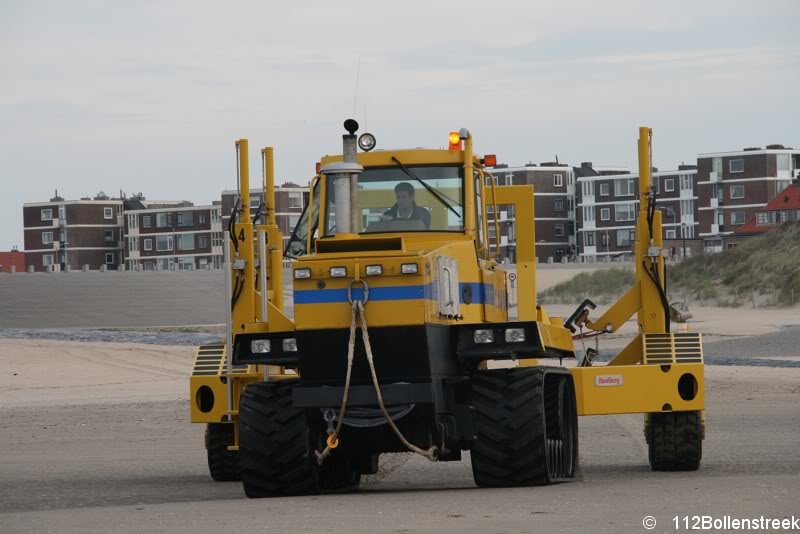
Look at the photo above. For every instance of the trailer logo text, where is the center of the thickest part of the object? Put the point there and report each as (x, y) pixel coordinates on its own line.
(608, 380)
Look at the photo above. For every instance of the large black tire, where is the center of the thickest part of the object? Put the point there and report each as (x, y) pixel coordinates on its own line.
(675, 441)
(273, 440)
(525, 427)
(223, 465)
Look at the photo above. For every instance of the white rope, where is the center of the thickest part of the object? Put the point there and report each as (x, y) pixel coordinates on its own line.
(431, 454)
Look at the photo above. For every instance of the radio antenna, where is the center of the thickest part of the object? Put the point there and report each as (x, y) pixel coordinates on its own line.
(355, 95)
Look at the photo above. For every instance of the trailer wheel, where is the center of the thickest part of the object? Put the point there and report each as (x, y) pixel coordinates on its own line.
(525, 426)
(223, 465)
(273, 440)
(674, 441)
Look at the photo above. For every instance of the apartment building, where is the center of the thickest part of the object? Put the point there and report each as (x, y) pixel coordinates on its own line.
(64, 234)
(734, 186)
(608, 205)
(172, 237)
(290, 200)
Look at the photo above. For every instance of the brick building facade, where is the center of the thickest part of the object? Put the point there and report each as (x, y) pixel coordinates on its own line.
(178, 237)
(70, 234)
(733, 186)
(608, 206)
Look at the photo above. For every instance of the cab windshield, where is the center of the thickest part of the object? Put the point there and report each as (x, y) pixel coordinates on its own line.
(409, 199)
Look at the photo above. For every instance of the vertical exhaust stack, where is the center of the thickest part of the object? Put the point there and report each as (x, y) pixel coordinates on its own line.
(345, 181)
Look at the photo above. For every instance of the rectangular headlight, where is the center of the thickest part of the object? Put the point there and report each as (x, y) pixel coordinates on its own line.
(483, 336)
(259, 346)
(515, 335)
(409, 268)
(374, 270)
(290, 344)
(305, 272)
(338, 272)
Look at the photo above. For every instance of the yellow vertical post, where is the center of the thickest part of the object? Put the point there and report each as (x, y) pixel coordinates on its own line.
(274, 239)
(651, 314)
(244, 311)
(469, 190)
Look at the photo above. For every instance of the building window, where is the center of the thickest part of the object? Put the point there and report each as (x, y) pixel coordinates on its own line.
(670, 233)
(109, 236)
(185, 218)
(737, 191)
(559, 204)
(625, 237)
(148, 244)
(588, 188)
(737, 217)
(216, 239)
(295, 200)
(47, 260)
(784, 162)
(163, 220)
(624, 187)
(559, 230)
(558, 180)
(604, 239)
(202, 241)
(604, 190)
(588, 213)
(736, 165)
(132, 221)
(605, 214)
(589, 238)
(185, 241)
(216, 215)
(147, 221)
(202, 218)
(109, 257)
(133, 244)
(255, 201)
(164, 243)
(108, 213)
(669, 185)
(761, 218)
(47, 214)
(624, 212)
(686, 182)
(47, 238)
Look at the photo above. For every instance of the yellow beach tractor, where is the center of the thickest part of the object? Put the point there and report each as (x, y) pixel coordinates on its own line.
(402, 338)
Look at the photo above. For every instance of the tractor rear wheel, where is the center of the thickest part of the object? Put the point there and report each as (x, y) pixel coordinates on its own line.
(525, 426)
(675, 441)
(273, 440)
(223, 465)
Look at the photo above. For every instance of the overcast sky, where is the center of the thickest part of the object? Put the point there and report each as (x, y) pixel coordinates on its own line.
(150, 96)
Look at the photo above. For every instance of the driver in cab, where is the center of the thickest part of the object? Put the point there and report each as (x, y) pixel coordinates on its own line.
(405, 209)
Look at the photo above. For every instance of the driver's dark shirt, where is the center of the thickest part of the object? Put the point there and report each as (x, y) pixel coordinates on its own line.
(417, 213)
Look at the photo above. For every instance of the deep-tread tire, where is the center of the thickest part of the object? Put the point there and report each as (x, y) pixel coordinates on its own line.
(273, 442)
(510, 448)
(223, 465)
(675, 441)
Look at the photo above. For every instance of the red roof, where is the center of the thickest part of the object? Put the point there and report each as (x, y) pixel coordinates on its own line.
(15, 258)
(788, 199)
